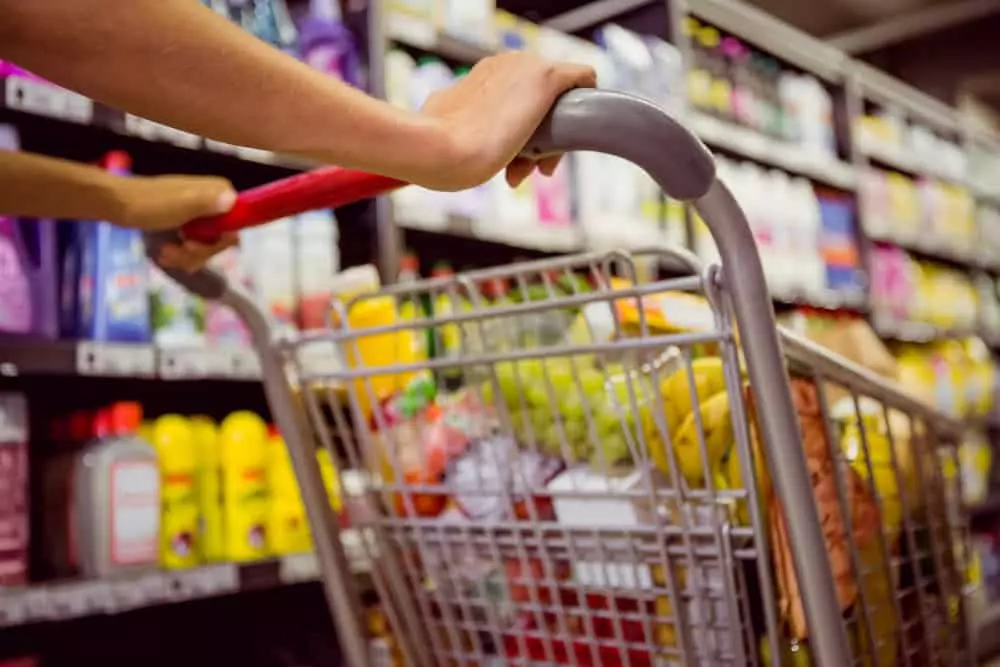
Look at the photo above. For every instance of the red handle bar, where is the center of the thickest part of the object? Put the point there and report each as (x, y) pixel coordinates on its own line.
(328, 187)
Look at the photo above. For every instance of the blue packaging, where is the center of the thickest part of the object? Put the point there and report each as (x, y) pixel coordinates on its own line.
(105, 293)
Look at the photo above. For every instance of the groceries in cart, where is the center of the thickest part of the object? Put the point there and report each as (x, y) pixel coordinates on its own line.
(576, 402)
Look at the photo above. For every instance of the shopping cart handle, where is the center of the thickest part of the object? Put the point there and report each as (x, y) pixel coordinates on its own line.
(589, 120)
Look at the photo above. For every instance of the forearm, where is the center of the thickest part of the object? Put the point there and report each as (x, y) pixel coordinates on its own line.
(176, 62)
(42, 187)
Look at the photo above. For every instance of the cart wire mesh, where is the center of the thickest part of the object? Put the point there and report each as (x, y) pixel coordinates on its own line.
(593, 489)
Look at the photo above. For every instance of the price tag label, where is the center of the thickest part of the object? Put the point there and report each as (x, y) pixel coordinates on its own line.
(72, 601)
(13, 611)
(246, 365)
(155, 588)
(113, 359)
(298, 568)
(153, 131)
(211, 580)
(39, 605)
(46, 99)
(128, 595)
(194, 363)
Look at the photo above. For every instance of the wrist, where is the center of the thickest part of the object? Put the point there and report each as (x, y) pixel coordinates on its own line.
(113, 195)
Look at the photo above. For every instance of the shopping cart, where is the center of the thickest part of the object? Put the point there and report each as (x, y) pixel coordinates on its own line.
(704, 491)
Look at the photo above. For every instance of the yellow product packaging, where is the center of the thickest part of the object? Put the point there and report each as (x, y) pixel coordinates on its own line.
(175, 445)
(245, 489)
(664, 312)
(330, 480)
(211, 530)
(288, 527)
(699, 79)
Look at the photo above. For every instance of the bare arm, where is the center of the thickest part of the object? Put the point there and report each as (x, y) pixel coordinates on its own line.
(45, 187)
(176, 62)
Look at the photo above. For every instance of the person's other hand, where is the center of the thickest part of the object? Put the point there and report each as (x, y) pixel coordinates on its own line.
(491, 113)
(166, 202)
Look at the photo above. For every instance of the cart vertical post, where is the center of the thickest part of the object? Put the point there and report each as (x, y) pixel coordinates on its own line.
(644, 134)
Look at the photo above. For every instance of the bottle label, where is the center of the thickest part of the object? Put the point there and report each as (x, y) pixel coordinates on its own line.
(179, 541)
(249, 503)
(135, 513)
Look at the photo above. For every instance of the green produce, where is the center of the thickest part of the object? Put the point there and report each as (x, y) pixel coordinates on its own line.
(569, 402)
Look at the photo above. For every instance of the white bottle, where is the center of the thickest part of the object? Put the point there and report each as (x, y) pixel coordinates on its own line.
(317, 260)
(399, 70)
(816, 117)
(429, 76)
(272, 271)
(812, 266)
(779, 211)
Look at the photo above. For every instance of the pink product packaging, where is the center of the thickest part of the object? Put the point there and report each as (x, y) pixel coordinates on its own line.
(222, 326)
(892, 284)
(14, 535)
(552, 196)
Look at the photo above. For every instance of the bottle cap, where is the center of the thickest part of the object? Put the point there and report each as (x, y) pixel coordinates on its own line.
(100, 424)
(410, 262)
(442, 270)
(125, 417)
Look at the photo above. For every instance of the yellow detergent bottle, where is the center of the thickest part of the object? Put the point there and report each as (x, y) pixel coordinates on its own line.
(288, 526)
(177, 452)
(245, 491)
(211, 533)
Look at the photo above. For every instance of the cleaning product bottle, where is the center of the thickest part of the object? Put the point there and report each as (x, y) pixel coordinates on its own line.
(245, 492)
(326, 43)
(317, 260)
(399, 69)
(28, 268)
(115, 497)
(112, 300)
(288, 526)
(14, 532)
(211, 532)
(175, 445)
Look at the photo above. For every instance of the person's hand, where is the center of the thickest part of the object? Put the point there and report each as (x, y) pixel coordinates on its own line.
(166, 202)
(491, 113)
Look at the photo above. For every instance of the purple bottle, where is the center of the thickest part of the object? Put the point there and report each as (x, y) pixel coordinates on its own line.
(327, 45)
(28, 301)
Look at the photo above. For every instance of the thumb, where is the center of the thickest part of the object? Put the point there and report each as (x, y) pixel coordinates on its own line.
(206, 196)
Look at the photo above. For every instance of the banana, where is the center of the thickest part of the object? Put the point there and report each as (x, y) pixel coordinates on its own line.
(676, 391)
(716, 419)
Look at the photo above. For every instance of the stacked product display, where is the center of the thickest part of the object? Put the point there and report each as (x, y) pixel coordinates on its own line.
(117, 495)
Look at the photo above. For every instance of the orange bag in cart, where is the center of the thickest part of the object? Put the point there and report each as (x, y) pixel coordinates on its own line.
(864, 511)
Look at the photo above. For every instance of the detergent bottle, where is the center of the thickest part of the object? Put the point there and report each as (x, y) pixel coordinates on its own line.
(174, 440)
(211, 533)
(112, 300)
(288, 526)
(245, 491)
(328, 45)
(115, 497)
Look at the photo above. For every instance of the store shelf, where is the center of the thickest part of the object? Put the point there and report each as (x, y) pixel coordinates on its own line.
(98, 359)
(80, 599)
(825, 299)
(42, 99)
(914, 332)
(907, 162)
(421, 34)
(772, 152)
(931, 245)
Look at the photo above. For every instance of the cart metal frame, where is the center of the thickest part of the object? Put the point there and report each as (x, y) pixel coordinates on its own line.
(642, 133)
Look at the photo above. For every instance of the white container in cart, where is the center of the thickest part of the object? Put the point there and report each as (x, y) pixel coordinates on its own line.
(115, 498)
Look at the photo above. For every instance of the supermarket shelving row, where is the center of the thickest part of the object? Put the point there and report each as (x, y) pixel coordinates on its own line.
(67, 600)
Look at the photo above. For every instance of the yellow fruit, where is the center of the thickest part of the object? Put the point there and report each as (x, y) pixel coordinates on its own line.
(734, 474)
(877, 592)
(882, 471)
(676, 390)
(716, 419)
